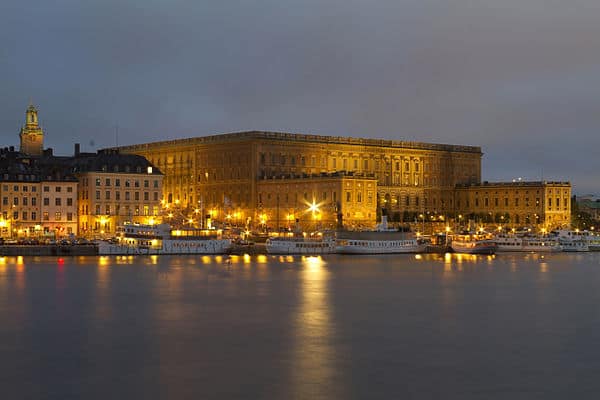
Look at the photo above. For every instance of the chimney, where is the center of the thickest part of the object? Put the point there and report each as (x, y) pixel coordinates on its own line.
(77, 149)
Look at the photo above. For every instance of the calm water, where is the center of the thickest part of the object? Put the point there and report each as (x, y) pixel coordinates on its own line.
(337, 327)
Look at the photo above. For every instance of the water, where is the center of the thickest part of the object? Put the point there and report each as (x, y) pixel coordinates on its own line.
(270, 327)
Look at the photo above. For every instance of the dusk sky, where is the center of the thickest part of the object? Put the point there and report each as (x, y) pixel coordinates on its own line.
(520, 78)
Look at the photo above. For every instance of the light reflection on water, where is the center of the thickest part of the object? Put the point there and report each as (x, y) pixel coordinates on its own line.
(451, 326)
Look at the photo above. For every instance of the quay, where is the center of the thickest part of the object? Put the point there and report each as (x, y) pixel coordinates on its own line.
(49, 250)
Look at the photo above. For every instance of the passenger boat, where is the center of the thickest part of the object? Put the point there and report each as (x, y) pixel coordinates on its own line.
(300, 245)
(382, 240)
(526, 243)
(573, 241)
(472, 243)
(162, 239)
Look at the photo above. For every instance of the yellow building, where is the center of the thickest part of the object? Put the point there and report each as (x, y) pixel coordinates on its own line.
(316, 202)
(543, 204)
(113, 189)
(233, 170)
(37, 199)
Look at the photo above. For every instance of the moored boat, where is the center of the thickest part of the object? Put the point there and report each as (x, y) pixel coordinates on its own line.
(472, 243)
(526, 244)
(300, 245)
(379, 241)
(140, 239)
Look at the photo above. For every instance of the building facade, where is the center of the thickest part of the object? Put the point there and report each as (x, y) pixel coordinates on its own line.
(237, 170)
(115, 188)
(543, 204)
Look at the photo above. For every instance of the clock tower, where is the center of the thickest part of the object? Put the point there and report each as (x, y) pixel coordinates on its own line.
(32, 136)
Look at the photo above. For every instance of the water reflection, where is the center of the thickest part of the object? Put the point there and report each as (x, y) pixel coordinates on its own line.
(313, 353)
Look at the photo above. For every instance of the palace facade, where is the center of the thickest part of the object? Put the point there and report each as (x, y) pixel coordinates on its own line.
(243, 174)
(542, 204)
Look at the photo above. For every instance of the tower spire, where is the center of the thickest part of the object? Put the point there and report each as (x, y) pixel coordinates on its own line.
(32, 136)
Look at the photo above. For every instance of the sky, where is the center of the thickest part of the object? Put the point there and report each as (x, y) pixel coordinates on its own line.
(520, 78)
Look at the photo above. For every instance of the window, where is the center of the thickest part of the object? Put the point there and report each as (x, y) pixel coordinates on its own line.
(46, 188)
(25, 188)
(127, 183)
(57, 216)
(15, 201)
(107, 195)
(70, 189)
(107, 209)
(97, 181)
(136, 183)
(33, 215)
(15, 188)
(45, 216)
(146, 196)
(57, 201)
(117, 182)
(25, 201)
(33, 189)
(117, 195)
(70, 201)
(69, 216)
(5, 201)
(348, 197)
(16, 215)
(57, 189)
(97, 195)
(137, 195)
(359, 197)
(46, 201)
(146, 183)
(127, 196)
(155, 196)
(155, 183)
(24, 216)
(107, 182)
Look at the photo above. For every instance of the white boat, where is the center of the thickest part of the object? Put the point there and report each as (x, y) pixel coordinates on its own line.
(536, 244)
(573, 241)
(379, 241)
(472, 243)
(140, 239)
(300, 245)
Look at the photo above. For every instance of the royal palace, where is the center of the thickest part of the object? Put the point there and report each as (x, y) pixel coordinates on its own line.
(261, 181)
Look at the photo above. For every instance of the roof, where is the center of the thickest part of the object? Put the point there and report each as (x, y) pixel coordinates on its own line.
(284, 136)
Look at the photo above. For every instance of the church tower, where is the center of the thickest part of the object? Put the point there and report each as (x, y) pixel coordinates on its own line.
(32, 136)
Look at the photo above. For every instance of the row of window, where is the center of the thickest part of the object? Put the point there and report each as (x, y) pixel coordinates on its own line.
(127, 183)
(283, 160)
(516, 203)
(26, 201)
(25, 216)
(122, 210)
(108, 195)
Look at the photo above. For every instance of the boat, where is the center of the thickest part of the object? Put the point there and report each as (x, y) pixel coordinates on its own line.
(508, 243)
(299, 244)
(142, 239)
(472, 243)
(382, 240)
(574, 241)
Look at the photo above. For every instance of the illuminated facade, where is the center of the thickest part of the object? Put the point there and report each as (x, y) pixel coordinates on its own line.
(115, 188)
(543, 204)
(31, 136)
(239, 171)
(37, 199)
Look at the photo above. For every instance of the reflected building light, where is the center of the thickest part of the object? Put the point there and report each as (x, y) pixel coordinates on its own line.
(261, 259)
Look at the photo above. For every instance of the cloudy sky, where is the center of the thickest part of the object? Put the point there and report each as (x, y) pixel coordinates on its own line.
(520, 78)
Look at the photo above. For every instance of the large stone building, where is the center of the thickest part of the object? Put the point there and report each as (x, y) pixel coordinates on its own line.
(114, 188)
(542, 204)
(37, 198)
(241, 175)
